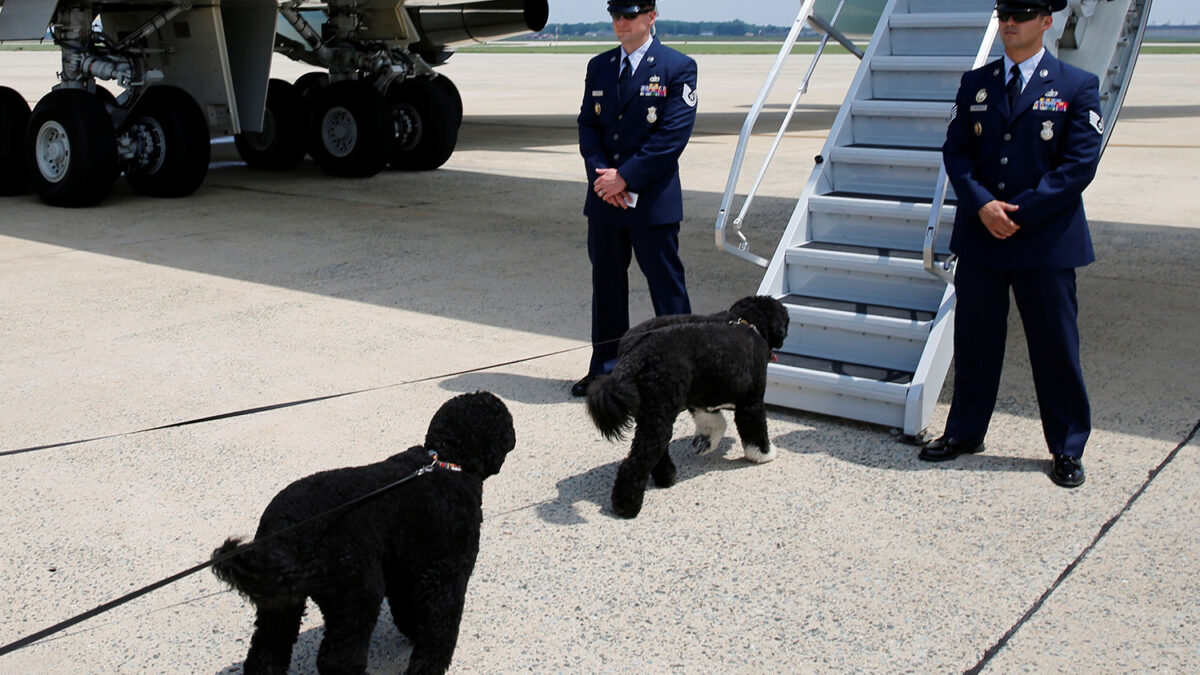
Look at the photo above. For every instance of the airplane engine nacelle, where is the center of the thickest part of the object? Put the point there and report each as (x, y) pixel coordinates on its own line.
(449, 25)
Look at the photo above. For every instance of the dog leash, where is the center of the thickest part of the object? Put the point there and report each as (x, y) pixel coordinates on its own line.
(314, 399)
(133, 595)
(434, 463)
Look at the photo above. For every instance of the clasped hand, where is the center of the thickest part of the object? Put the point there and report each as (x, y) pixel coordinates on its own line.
(611, 187)
(994, 215)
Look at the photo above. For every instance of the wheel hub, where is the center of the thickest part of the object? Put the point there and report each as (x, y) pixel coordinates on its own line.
(339, 132)
(407, 122)
(149, 142)
(53, 148)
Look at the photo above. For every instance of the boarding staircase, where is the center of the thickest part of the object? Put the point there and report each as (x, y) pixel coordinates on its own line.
(863, 266)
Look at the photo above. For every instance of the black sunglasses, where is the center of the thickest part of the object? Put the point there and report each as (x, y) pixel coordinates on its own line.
(628, 16)
(1020, 16)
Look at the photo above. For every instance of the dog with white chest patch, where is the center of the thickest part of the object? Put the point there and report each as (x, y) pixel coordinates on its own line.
(699, 363)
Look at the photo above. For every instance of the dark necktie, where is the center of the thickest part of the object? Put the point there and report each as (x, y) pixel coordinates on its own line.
(1014, 87)
(626, 72)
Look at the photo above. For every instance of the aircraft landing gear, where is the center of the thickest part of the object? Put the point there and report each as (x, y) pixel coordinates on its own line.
(280, 144)
(72, 149)
(426, 121)
(14, 116)
(447, 84)
(169, 137)
(351, 131)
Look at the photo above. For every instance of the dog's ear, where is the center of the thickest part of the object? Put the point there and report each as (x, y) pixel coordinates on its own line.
(767, 314)
(474, 431)
(777, 324)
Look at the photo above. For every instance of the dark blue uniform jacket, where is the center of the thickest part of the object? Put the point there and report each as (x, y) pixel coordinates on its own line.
(1039, 156)
(640, 130)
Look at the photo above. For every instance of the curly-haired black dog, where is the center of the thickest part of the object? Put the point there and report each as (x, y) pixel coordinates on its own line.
(415, 544)
(701, 363)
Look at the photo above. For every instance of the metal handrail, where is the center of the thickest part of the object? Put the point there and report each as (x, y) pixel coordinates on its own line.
(945, 271)
(739, 156)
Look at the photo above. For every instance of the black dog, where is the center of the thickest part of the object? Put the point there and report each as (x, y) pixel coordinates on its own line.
(415, 544)
(701, 363)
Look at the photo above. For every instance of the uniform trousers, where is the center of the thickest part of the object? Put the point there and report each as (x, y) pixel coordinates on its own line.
(610, 248)
(1049, 310)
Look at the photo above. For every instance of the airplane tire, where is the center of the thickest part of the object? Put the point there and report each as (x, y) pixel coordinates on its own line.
(350, 130)
(309, 84)
(426, 126)
(71, 149)
(14, 117)
(280, 144)
(447, 84)
(172, 135)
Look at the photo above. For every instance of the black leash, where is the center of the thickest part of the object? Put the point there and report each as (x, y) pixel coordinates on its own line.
(289, 404)
(113, 604)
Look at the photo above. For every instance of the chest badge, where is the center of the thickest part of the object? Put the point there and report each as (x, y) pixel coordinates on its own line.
(597, 108)
(1047, 130)
(655, 79)
(978, 129)
(652, 114)
(981, 96)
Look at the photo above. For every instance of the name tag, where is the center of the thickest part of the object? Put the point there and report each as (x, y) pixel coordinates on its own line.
(597, 92)
(979, 108)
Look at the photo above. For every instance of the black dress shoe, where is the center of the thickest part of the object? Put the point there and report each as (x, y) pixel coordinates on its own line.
(944, 448)
(1067, 471)
(579, 389)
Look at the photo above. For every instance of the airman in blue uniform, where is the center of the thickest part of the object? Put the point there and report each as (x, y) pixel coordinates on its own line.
(1023, 142)
(639, 107)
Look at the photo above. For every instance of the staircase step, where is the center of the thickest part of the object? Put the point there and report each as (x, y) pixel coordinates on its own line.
(818, 386)
(862, 274)
(938, 33)
(903, 199)
(917, 78)
(837, 331)
(910, 124)
(875, 222)
(856, 370)
(860, 308)
(891, 171)
(947, 6)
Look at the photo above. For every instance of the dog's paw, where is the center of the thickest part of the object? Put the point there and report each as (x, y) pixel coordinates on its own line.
(664, 475)
(627, 504)
(702, 444)
(756, 455)
(710, 426)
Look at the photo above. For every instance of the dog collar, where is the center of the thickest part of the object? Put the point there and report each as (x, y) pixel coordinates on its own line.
(433, 458)
(743, 322)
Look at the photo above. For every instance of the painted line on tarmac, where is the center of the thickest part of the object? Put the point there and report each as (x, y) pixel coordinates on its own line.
(1000, 644)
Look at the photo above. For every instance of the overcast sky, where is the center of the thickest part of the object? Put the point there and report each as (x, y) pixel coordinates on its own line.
(783, 12)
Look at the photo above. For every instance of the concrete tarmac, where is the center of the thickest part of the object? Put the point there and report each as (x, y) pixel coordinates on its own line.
(845, 554)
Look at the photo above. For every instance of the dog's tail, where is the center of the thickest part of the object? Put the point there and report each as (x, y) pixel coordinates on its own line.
(258, 572)
(611, 402)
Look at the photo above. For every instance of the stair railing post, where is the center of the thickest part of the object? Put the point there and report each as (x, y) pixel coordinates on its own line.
(739, 156)
(945, 270)
(783, 127)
